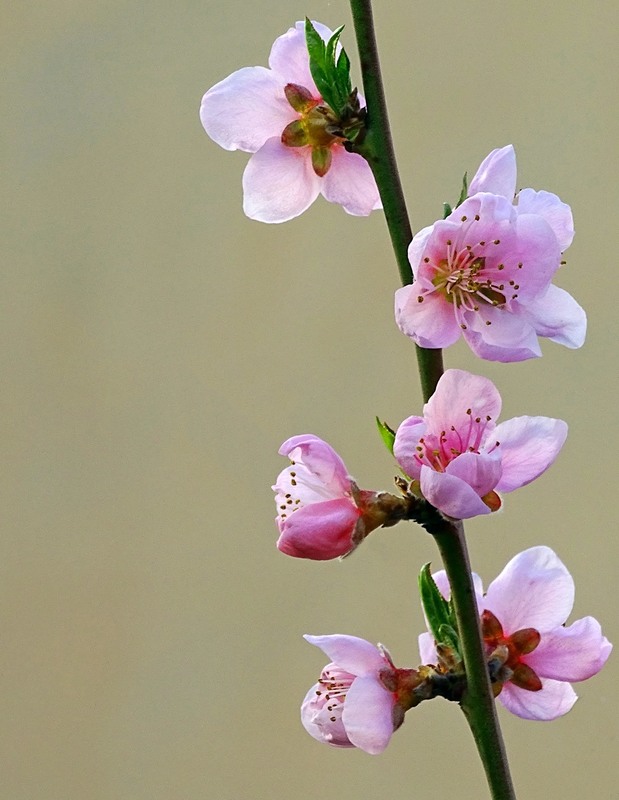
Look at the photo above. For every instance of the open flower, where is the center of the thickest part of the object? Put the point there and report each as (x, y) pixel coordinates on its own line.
(534, 655)
(462, 458)
(485, 272)
(360, 698)
(322, 513)
(278, 115)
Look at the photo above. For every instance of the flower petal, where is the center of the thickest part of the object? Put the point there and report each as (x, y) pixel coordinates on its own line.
(451, 495)
(423, 314)
(427, 648)
(557, 316)
(406, 440)
(368, 714)
(245, 109)
(553, 700)
(571, 654)
(320, 531)
(289, 57)
(417, 246)
(351, 653)
(279, 182)
(442, 582)
(528, 446)
(534, 590)
(316, 720)
(556, 213)
(479, 470)
(458, 392)
(496, 173)
(319, 458)
(494, 334)
(350, 183)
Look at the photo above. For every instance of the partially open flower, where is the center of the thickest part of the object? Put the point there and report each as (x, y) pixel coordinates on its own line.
(360, 698)
(462, 458)
(322, 513)
(485, 272)
(532, 654)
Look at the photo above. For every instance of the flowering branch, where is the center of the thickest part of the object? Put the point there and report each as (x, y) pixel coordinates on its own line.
(377, 148)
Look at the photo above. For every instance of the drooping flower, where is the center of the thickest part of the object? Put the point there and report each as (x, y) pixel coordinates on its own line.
(535, 656)
(322, 513)
(278, 115)
(462, 458)
(360, 698)
(485, 272)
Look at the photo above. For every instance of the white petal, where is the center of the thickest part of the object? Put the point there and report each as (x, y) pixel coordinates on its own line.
(279, 182)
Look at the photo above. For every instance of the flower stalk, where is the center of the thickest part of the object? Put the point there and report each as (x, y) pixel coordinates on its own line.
(377, 148)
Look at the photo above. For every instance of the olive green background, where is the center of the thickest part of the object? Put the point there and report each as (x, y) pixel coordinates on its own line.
(157, 347)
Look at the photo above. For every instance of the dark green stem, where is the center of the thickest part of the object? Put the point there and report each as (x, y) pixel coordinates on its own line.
(377, 148)
(478, 702)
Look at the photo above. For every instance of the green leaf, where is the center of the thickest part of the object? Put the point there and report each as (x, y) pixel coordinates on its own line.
(447, 209)
(449, 636)
(436, 608)
(387, 434)
(464, 192)
(332, 78)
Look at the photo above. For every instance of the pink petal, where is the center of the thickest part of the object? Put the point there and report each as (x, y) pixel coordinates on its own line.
(406, 440)
(451, 495)
(571, 654)
(430, 322)
(528, 446)
(456, 393)
(557, 316)
(245, 109)
(539, 252)
(289, 57)
(320, 531)
(556, 213)
(534, 590)
(350, 183)
(320, 458)
(553, 700)
(496, 173)
(417, 246)
(368, 714)
(279, 182)
(316, 722)
(442, 582)
(479, 470)
(507, 338)
(351, 653)
(427, 648)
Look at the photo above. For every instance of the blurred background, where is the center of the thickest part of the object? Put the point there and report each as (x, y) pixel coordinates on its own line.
(158, 346)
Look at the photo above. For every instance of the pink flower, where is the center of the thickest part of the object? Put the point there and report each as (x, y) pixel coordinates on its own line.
(322, 514)
(485, 272)
(278, 115)
(461, 457)
(523, 622)
(360, 698)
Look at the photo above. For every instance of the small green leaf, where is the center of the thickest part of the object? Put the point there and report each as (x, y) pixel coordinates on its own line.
(436, 608)
(447, 209)
(386, 434)
(464, 192)
(331, 76)
(449, 636)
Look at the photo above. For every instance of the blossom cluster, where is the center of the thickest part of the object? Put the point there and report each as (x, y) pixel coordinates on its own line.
(484, 272)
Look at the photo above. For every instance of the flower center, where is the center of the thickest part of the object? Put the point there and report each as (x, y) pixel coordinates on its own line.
(508, 652)
(464, 281)
(437, 450)
(317, 127)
